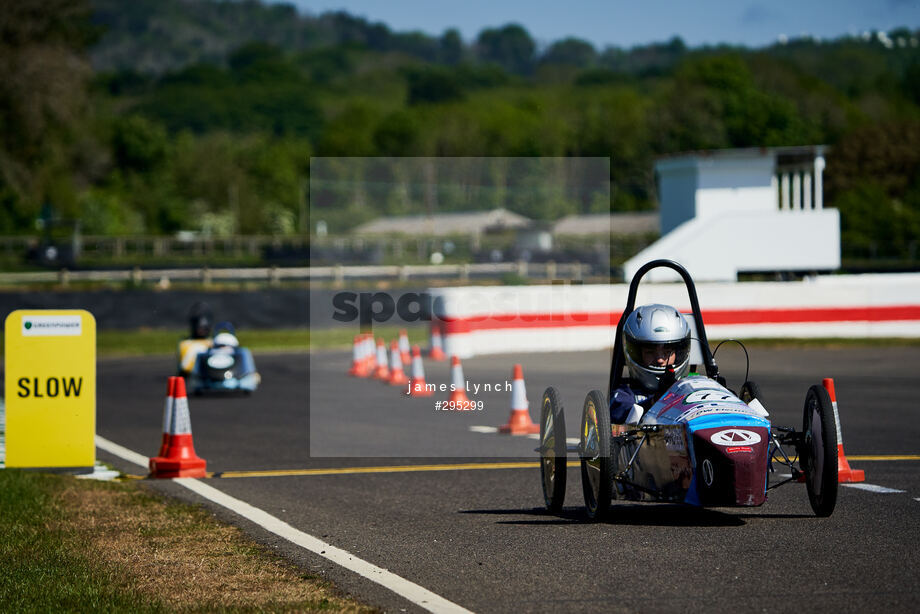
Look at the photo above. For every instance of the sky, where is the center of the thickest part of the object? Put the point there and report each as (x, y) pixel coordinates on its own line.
(626, 23)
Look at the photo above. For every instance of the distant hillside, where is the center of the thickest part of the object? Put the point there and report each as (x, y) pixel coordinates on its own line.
(206, 115)
(157, 36)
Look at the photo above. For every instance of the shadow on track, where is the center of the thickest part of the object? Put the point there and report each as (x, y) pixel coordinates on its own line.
(652, 515)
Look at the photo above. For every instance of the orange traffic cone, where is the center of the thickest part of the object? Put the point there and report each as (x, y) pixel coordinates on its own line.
(844, 473)
(370, 354)
(180, 460)
(358, 359)
(436, 350)
(397, 375)
(382, 371)
(519, 423)
(458, 398)
(168, 414)
(404, 349)
(418, 387)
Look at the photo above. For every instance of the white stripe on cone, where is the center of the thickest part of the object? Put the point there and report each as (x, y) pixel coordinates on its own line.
(397, 375)
(382, 371)
(458, 398)
(519, 423)
(370, 352)
(418, 388)
(182, 420)
(436, 352)
(168, 408)
(358, 358)
(519, 391)
(845, 474)
(404, 349)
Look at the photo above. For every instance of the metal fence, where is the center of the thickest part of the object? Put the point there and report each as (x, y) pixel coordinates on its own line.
(274, 275)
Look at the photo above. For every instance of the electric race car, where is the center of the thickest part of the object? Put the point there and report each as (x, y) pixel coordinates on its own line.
(221, 364)
(698, 444)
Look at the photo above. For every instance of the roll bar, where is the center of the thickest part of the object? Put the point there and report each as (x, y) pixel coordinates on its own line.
(617, 362)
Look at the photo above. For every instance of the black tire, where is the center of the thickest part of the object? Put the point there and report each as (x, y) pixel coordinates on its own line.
(596, 462)
(750, 391)
(819, 451)
(552, 450)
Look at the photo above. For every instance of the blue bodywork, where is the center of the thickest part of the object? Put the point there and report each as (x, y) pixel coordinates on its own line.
(224, 367)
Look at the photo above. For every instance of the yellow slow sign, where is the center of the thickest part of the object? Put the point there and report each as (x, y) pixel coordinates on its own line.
(51, 389)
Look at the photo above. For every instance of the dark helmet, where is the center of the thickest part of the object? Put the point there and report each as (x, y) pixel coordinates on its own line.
(200, 321)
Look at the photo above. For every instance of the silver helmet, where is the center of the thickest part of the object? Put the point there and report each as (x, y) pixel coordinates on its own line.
(654, 338)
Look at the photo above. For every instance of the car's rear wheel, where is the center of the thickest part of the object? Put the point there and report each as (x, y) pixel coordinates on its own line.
(552, 450)
(596, 465)
(819, 451)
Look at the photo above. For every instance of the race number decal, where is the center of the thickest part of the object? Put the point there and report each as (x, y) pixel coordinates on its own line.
(701, 396)
(735, 437)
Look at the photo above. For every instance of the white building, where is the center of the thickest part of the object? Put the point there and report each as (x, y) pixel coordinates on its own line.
(734, 211)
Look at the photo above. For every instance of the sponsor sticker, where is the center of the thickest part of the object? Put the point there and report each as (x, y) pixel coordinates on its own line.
(696, 412)
(735, 438)
(52, 326)
(673, 440)
(737, 449)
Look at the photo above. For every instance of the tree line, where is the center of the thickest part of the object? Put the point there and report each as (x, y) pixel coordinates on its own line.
(156, 116)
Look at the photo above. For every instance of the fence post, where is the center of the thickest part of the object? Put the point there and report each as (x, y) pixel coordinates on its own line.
(64, 277)
(274, 276)
(338, 276)
(206, 276)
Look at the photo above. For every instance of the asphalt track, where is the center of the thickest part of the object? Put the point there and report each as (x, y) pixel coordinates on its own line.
(481, 538)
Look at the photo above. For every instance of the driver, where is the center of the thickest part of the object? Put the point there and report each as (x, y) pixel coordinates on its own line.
(656, 340)
(200, 320)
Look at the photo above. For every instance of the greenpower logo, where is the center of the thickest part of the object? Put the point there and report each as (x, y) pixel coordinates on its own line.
(52, 326)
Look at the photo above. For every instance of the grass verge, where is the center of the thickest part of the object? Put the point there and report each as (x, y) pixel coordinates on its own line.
(143, 342)
(116, 343)
(82, 546)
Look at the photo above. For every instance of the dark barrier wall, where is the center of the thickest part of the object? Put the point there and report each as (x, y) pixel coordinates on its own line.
(275, 308)
(132, 309)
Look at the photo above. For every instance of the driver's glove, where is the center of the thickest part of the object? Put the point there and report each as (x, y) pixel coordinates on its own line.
(621, 403)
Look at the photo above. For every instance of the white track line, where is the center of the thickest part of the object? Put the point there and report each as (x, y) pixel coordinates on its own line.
(484, 429)
(494, 429)
(410, 591)
(882, 490)
(874, 488)
(122, 452)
